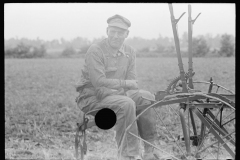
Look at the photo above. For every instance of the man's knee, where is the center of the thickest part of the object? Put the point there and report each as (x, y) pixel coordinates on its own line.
(147, 94)
(123, 103)
(128, 104)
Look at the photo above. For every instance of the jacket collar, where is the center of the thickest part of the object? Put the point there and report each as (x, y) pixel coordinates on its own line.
(122, 49)
(110, 50)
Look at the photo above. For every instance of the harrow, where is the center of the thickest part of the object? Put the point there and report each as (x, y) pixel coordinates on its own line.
(193, 124)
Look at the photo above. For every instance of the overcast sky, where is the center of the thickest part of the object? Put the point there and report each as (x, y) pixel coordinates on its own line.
(50, 21)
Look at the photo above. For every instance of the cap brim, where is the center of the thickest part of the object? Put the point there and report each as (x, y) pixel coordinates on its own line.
(119, 25)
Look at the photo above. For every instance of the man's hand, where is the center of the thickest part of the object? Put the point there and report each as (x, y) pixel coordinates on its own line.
(132, 84)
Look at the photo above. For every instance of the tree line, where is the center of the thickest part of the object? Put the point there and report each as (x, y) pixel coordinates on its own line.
(220, 45)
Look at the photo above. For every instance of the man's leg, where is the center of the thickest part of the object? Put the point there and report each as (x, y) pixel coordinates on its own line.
(125, 110)
(147, 121)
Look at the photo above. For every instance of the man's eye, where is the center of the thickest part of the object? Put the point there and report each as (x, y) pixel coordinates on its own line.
(112, 32)
(120, 33)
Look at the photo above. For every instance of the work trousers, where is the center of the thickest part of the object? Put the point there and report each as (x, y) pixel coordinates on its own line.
(126, 110)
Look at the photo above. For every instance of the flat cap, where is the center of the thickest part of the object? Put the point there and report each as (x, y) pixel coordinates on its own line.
(119, 21)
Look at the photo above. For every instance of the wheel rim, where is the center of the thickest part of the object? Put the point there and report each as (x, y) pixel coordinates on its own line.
(171, 145)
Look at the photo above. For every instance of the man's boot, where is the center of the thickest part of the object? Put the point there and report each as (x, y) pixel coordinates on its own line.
(150, 153)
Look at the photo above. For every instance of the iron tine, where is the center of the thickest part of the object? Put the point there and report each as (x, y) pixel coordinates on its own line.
(180, 17)
(196, 17)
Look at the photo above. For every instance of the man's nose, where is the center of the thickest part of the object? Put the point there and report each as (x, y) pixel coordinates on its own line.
(116, 35)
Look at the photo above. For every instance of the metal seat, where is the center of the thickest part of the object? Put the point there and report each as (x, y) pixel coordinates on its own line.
(85, 123)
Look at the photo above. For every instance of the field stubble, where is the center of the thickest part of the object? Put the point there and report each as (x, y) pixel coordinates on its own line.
(40, 109)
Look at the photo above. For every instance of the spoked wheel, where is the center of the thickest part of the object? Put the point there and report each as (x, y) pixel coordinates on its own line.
(192, 133)
(169, 129)
(203, 129)
(178, 130)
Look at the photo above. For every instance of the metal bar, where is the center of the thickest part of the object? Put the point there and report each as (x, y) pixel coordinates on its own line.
(215, 120)
(179, 115)
(214, 85)
(215, 142)
(212, 125)
(223, 98)
(222, 131)
(202, 134)
(207, 105)
(217, 89)
(76, 143)
(228, 121)
(203, 128)
(190, 67)
(218, 150)
(215, 125)
(227, 141)
(167, 102)
(206, 122)
(196, 96)
(177, 45)
(189, 127)
(219, 124)
(188, 124)
(220, 121)
(230, 139)
(228, 96)
(219, 98)
(193, 122)
(228, 116)
(185, 133)
(210, 86)
(196, 18)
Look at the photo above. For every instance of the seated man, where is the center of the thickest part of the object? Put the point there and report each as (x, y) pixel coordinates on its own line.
(110, 65)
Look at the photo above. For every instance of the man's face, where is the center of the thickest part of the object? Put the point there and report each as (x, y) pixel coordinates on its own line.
(116, 36)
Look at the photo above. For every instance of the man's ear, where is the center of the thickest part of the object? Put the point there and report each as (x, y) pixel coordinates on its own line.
(107, 30)
(127, 34)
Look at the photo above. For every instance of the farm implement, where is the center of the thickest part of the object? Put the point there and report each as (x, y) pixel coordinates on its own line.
(196, 119)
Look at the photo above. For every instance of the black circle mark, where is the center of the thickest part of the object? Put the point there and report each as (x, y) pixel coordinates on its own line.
(105, 118)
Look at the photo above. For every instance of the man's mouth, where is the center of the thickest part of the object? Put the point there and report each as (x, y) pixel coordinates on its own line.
(115, 41)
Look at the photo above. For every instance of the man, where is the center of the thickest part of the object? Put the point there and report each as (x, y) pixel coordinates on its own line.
(109, 77)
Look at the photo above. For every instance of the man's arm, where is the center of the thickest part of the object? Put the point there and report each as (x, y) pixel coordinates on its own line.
(96, 70)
